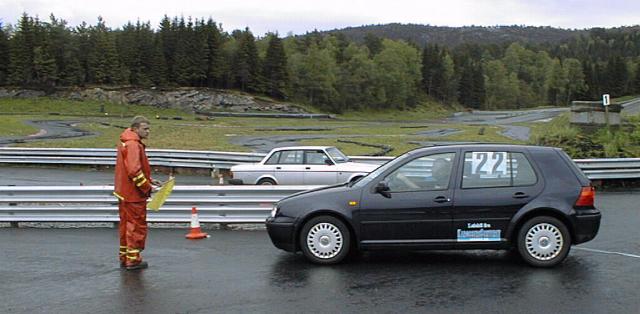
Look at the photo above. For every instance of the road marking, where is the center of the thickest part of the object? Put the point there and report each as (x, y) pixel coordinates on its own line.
(606, 252)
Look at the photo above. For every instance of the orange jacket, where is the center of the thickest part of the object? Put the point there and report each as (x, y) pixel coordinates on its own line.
(133, 172)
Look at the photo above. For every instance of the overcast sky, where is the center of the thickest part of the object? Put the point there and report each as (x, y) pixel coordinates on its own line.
(299, 16)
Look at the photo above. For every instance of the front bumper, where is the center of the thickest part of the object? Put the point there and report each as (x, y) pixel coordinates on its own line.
(282, 233)
(586, 226)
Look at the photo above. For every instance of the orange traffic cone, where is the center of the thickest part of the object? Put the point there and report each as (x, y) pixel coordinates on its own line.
(196, 232)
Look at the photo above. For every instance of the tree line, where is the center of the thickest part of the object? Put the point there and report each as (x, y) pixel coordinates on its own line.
(326, 70)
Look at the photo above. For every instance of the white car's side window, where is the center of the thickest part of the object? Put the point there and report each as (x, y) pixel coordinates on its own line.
(316, 158)
(273, 160)
(291, 157)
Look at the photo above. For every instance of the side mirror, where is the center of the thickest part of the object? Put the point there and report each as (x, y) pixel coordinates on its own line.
(328, 162)
(383, 189)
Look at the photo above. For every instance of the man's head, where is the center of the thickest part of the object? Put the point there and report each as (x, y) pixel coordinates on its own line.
(140, 125)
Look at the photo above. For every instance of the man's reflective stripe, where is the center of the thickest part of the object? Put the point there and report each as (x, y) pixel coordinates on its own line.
(119, 197)
(141, 182)
(134, 251)
(132, 257)
(139, 177)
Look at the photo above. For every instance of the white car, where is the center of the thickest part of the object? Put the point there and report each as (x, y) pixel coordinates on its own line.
(301, 165)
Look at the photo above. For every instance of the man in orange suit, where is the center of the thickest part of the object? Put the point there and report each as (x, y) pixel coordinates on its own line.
(133, 185)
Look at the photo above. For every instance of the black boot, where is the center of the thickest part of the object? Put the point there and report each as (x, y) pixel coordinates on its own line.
(134, 266)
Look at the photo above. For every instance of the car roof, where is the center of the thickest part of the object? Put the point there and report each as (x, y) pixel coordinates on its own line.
(300, 148)
(492, 146)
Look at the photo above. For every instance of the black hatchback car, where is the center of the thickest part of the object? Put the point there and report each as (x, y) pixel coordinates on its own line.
(529, 198)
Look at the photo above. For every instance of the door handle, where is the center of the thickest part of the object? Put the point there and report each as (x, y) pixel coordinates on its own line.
(308, 168)
(441, 199)
(520, 195)
(278, 168)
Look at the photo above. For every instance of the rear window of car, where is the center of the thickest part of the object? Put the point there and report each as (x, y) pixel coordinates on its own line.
(497, 169)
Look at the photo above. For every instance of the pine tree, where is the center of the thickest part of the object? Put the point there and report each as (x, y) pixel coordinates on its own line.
(636, 81)
(215, 59)
(433, 72)
(44, 66)
(246, 63)
(158, 70)
(617, 76)
(4, 56)
(103, 62)
(180, 67)
(275, 68)
(167, 37)
(21, 52)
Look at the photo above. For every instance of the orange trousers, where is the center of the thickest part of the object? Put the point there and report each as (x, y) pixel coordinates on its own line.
(133, 225)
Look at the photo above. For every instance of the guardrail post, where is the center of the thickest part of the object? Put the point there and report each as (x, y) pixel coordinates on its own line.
(14, 224)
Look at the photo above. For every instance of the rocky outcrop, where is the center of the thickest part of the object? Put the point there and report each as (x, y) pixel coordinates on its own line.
(194, 100)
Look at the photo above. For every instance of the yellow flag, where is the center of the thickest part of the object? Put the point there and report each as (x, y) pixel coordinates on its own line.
(161, 196)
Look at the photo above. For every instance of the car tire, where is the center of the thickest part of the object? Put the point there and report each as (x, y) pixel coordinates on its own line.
(325, 240)
(266, 182)
(544, 241)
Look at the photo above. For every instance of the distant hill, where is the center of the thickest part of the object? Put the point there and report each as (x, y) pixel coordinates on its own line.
(453, 36)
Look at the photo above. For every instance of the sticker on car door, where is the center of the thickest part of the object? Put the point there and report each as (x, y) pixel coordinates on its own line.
(478, 235)
(489, 164)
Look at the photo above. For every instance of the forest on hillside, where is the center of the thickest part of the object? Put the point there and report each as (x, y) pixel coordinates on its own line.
(327, 70)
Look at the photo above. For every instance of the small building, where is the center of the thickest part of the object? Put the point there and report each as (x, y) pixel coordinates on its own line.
(592, 113)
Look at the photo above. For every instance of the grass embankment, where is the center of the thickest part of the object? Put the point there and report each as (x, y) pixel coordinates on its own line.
(602, 143)
(192, 133)
(14, 126)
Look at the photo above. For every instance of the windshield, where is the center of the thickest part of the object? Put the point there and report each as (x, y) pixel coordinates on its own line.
(337, 155)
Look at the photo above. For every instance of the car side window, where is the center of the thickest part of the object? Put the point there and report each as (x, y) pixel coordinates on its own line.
(273, 160)
(316, 158)
(291, 157)
(523, 173)
(496, 169)
(422, 174)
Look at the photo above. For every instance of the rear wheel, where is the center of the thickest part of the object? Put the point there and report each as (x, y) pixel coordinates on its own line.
(266, 181)
(325, 240)
(544, 241)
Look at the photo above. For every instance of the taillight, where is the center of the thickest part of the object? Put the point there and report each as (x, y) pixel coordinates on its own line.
(587, 196)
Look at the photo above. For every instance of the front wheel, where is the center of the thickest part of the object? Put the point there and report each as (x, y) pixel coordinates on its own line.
(325, 240)
(544, 241)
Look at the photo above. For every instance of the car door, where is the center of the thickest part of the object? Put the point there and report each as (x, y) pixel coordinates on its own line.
(494, 185)
(290, 168)
(417, 208)
(319, 169)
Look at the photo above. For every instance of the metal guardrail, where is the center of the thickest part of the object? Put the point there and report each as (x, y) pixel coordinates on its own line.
(104, 156)
(610, 168)
(216, 204)
(595, 169)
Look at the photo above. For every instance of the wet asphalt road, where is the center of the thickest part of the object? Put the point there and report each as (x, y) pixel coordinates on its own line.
(75, 270)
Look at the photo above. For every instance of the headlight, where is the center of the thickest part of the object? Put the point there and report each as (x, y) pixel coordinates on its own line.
(274, 210)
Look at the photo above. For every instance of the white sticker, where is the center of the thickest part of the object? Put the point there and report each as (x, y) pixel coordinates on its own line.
(478, 235)
(489, 164)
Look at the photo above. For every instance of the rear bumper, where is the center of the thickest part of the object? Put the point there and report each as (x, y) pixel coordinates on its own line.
(281, 234)
(586, 226)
